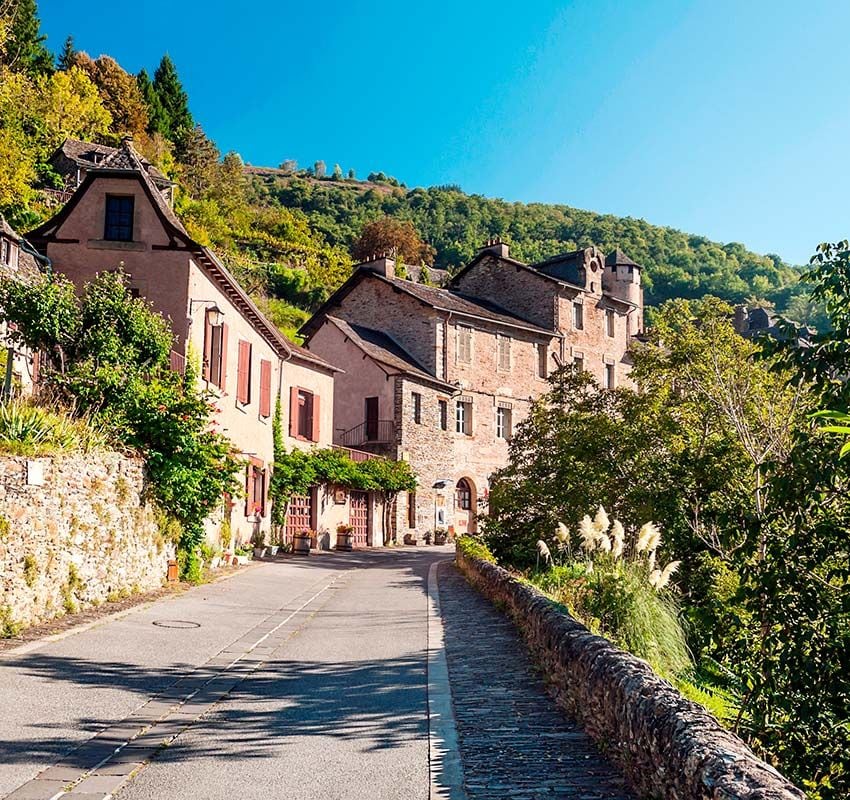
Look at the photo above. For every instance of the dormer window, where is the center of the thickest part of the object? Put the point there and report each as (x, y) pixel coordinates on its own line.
(119, 218)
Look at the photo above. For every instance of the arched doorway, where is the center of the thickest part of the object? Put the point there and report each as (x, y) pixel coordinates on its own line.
(466, 503)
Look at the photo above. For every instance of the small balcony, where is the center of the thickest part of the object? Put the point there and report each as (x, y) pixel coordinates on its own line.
(356, 455)
(370, 432)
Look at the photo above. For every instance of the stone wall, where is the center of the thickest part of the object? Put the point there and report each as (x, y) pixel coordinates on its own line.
(666, 745)
(74, 532)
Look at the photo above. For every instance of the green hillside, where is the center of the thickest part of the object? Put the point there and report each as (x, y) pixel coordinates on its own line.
(455, 224)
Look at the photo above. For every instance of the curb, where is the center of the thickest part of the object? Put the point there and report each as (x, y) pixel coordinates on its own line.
(444, 763)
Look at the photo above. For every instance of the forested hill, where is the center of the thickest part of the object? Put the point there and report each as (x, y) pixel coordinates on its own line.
(291, 236)
(455, 224)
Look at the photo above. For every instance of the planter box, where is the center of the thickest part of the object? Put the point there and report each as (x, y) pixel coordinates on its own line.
(344, 541)
(301, 544)
(259, 552)
(272, 551)
(241, 560)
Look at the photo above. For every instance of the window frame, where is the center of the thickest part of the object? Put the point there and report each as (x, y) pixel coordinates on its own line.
(443, 413)
(463, 353)
(542, 360)
(463, 417)
(416, 399)
(411, 510)
(503, 352)
(504, 423)
(610, 374)
(126, 221)
(610, 323)
(305, 398)
(578, 316)
(463, 495)
(5, 252)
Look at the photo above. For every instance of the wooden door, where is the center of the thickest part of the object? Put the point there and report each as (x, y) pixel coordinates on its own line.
(359, 518)
(299, 515)
(371, 418)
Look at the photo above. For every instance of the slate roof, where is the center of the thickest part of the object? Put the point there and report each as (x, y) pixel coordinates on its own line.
(460, 303)
(29, 268)
(619, 258)
(126, 159)
(382, 348)
(84, 154)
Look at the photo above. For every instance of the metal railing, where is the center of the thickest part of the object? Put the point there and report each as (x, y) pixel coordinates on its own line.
(372, 431)
(356, 455)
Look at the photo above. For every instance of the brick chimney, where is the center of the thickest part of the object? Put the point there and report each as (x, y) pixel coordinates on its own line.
(497, 247)
(382, 264)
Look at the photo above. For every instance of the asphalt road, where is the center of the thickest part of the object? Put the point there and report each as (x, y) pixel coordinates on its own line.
(336, 709)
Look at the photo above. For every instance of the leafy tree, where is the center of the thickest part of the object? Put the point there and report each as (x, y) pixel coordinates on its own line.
(172, 98)
(352, 175)
(319, 169)
(24, 49)
(337, 173)
(70, 106)
(289, 166)
(390, 235)
(119, 91)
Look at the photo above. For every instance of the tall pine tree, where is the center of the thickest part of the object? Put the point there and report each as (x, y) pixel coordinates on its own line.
(172, 98)
(157, 122)
(66, 57)
(25, 49)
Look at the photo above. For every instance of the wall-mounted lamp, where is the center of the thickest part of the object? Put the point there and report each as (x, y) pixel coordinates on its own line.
(216, 315)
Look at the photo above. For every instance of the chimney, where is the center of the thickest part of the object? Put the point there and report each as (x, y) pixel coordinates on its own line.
(497, 247)
(382, 264)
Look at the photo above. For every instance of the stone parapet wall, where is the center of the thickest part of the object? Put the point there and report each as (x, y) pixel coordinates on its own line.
(666, 745)
(74, 532)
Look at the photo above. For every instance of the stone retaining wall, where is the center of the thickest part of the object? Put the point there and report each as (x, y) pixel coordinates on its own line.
(74, 532)
(667, 746)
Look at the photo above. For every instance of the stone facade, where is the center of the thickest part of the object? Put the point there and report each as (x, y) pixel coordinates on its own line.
(413, 355)
(75, 531)
(666, 745)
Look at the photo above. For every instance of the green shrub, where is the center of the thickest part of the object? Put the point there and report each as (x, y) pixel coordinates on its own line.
(30, 570)
(9, 629)
(472, 548)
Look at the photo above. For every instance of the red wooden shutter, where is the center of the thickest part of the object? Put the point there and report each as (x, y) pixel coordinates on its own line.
(293, 411)
(315, 435)
(207, 347)
(243, 373)
(264, 499)
(223, 383)
(265, 388)
(249, 489)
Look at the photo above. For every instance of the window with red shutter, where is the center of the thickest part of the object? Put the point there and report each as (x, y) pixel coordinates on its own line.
(265, 388)
(243, 373)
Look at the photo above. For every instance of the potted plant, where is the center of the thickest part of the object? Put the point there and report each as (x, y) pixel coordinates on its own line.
(259, 542)
(427, 537)
(241, 556)
(301, 543)
(441, 536)
(274, 547)
(344, 537)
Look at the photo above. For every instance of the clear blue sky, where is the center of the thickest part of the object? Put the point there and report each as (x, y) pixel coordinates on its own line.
(724, 118)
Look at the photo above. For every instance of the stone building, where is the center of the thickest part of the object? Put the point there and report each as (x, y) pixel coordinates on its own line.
(442, 376)
(119, 217)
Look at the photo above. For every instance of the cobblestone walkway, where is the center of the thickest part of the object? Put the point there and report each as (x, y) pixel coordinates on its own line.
(514, 742)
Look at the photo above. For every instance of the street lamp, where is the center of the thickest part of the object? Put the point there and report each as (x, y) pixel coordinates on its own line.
(215, 314)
